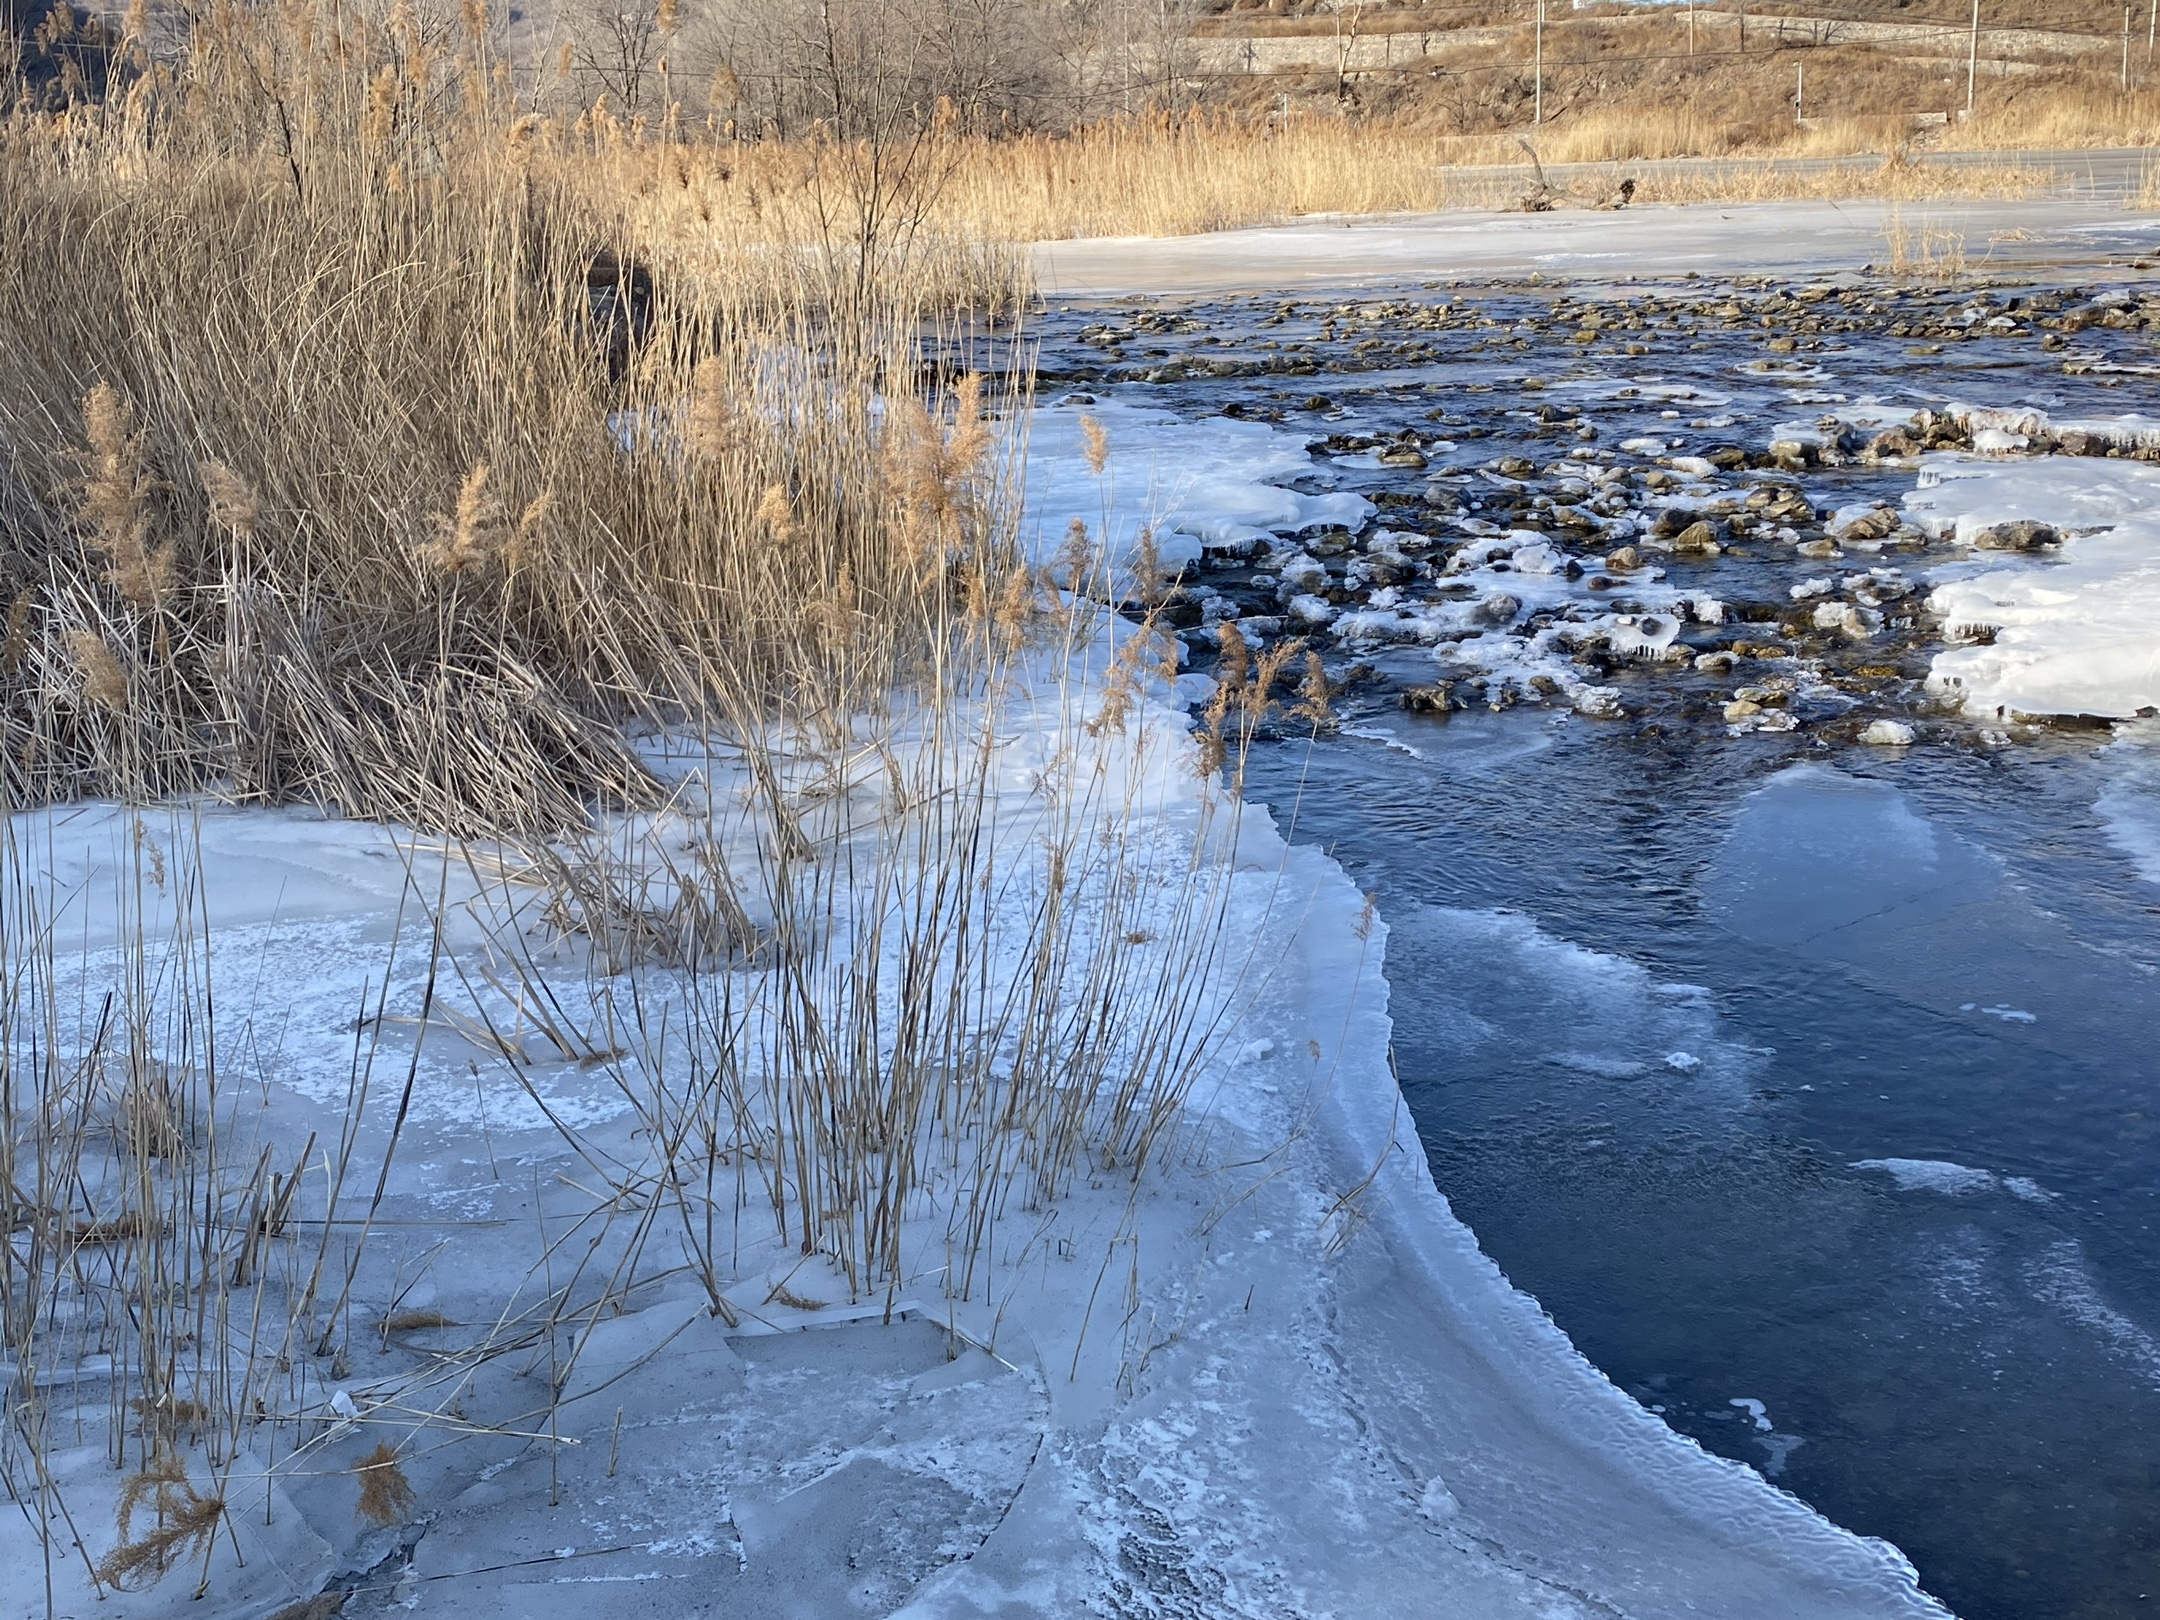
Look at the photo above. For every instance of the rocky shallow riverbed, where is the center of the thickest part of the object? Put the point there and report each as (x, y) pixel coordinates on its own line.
(1660, 506)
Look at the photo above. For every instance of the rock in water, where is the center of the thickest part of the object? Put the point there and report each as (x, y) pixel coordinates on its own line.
(2021, 534)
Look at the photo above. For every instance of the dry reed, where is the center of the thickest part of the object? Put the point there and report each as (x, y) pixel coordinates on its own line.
(386, 1495)
(348, 490)
(356, 512)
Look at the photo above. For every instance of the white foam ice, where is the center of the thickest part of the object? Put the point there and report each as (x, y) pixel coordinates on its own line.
(2129, 806)
(1754, 1409)
(1954, 1180)
(1515, 991)
(2062, 1278)
(1932, 1175)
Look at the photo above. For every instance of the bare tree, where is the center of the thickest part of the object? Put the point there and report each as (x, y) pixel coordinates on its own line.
(621, 48)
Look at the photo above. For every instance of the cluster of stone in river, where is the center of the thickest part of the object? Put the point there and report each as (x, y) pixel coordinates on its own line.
(1661, 574)
(1298, 339)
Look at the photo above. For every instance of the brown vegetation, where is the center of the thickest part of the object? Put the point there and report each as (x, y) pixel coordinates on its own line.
(314, 487)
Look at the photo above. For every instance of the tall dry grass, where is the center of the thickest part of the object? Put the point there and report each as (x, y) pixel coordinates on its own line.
(1167, 177)
(318, 486)
(1173, 176)
(329, 478)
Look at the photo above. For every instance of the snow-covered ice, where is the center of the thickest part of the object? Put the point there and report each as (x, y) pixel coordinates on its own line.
(2072, 632)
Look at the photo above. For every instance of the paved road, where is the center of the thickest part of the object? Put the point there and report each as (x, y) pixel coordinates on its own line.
(2108, 174)
(1784, 238)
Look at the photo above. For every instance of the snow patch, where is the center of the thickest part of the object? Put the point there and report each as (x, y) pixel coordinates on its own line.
(2077, 632)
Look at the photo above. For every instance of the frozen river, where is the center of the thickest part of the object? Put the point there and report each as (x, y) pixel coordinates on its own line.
(1808, 1085)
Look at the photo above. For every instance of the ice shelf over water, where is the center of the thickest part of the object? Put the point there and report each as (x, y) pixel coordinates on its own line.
(1216, 482)
(2070, 632)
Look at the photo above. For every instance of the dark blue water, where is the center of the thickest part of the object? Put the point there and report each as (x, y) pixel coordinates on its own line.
(1660, 993)
(1971, 1371)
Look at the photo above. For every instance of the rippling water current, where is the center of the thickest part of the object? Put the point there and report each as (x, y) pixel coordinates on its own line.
(1809, 1087)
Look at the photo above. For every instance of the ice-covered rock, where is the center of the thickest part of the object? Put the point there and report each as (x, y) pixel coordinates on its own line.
(1645, 635)
(1311, 610)
(1887, 734)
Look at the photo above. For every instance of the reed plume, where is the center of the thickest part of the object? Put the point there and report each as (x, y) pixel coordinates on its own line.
(386, 1495)
(115, 500)
(104, 682)
(186, 1521)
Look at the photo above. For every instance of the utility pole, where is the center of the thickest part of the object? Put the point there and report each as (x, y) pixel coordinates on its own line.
(1125, 57)
(1972, 61)
(1162, 49)
(1537, 115)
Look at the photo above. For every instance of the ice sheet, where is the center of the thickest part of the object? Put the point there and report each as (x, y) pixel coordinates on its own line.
(2072, 632)
(1217, 481)
(1794, 237)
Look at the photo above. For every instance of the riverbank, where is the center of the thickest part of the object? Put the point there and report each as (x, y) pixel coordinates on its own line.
(1272, 1374)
